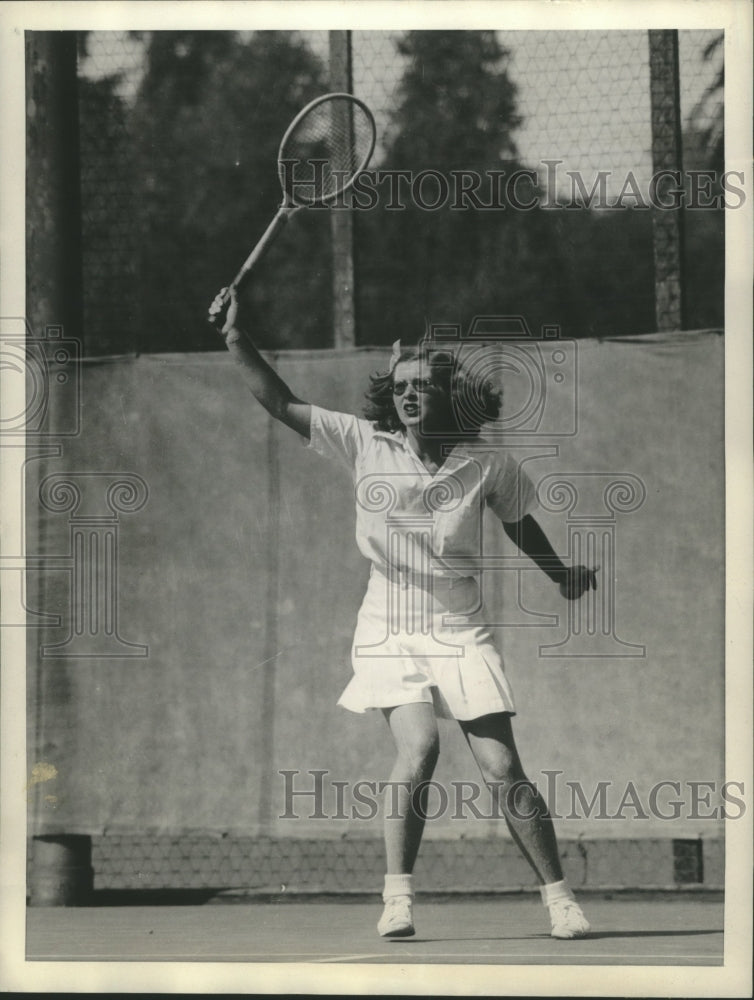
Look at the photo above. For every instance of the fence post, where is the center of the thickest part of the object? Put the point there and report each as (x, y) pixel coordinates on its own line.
(60, 870)
(667, 224)
(344, 306)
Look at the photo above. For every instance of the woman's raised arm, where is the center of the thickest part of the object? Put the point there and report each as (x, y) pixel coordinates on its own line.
(264, 382)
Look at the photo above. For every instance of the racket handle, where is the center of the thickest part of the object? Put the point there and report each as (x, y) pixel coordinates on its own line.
(269, 235)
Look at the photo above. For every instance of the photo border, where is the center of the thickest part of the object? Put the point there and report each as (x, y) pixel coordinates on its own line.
(733, 978)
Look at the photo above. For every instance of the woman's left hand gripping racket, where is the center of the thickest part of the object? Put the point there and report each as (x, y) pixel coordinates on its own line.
(324, 149)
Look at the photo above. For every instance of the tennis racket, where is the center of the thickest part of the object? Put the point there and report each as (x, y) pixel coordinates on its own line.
(324, 149)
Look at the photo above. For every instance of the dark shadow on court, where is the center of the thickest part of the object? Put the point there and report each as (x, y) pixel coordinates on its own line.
(594, 936)
(151, 897)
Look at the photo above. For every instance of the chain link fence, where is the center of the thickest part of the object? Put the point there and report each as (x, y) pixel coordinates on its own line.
(164, 225)
(110, 65)
(266, 866)
(582, 96)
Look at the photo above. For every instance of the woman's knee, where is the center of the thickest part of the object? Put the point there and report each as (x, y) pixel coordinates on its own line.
(494, 748)
(502, 769)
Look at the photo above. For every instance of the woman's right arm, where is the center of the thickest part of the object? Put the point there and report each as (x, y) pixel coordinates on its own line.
(264, 382)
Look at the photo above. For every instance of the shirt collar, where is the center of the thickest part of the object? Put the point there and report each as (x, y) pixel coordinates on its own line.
(398, 436)
(459, 448)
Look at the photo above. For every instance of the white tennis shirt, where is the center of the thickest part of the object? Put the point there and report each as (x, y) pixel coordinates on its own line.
(410, 522)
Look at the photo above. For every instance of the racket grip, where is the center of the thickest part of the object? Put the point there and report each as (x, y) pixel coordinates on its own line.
(266, 241)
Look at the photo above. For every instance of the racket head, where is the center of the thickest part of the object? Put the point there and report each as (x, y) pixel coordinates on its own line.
(324, 149)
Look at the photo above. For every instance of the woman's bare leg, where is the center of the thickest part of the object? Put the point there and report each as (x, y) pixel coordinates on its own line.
(491, 741)
(414, 730)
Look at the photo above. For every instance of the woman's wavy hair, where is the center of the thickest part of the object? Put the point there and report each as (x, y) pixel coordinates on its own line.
(474, 399)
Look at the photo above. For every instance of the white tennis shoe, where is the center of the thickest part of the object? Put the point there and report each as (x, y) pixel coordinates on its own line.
(567, 919)
(397, 918)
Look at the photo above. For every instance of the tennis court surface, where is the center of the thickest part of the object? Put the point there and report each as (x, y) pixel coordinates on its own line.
(682, 929)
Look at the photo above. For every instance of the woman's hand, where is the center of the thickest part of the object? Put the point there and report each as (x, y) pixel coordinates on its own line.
(577, 580)
(224, 311)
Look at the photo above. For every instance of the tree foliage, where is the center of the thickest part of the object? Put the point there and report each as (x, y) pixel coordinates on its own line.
(588, 272)
(455, 111)
(208, 120)
(456, 102)
(109, 236)
(178, 185)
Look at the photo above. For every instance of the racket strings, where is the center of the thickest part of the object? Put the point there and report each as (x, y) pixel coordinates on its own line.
(324, 151)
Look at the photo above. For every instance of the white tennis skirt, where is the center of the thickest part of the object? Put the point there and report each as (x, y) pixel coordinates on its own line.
(426, 641)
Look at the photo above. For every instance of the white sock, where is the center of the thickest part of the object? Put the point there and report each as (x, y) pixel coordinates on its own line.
(554, 891)
(398, 885)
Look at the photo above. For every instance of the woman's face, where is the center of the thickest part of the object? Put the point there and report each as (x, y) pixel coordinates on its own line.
(419, 401)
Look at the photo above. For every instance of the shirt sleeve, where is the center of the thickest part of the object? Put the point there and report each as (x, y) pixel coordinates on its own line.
(340, 436)
(513, 494)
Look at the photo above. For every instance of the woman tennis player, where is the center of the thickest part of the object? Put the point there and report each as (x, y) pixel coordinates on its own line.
(422, 649)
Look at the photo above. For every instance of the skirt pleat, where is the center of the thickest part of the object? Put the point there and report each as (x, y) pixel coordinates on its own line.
(426, 640)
